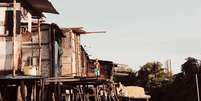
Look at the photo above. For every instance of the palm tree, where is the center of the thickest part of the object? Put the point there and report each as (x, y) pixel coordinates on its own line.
(190, 67)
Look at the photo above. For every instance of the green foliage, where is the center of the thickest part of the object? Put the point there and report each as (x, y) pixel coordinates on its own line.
(191, 66)
(151, 75)
(183, 87)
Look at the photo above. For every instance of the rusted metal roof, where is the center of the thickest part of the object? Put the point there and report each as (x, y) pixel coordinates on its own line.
(36, 7)
(79, 30)
(101, 61)
(41, 6)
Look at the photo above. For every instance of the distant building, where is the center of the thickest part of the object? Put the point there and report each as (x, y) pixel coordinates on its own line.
(122, 70)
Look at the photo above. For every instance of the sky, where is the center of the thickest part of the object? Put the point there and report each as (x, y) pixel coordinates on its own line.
(138, 31)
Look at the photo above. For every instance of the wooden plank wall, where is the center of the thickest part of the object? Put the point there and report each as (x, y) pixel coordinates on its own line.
(6, 53)
(45, 35)
(71, 58)
(6, 39)
(84, 62)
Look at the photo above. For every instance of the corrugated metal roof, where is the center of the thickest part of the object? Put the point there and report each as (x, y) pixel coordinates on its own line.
(41, 6)
(77, 30)
(36, 7)
(80, 30)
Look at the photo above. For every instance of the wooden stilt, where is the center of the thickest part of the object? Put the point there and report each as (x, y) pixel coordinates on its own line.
(59, 92)
(22, 90)
(71, 96)
(96, 93)
(42, 90)
(38, 92)
(29, 92)
(34, 90)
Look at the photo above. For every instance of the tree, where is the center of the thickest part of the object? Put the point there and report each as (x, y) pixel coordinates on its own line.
(151, 75)
(183, 87)
(190, 67)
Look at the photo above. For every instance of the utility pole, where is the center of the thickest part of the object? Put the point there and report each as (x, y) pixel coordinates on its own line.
(196, 79)
(197, 86)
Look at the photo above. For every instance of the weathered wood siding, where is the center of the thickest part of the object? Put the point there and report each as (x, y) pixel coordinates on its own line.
(2, 20)
(84, 62)
(27, 51)
(6, 53)
(71, 58)
(6, 40)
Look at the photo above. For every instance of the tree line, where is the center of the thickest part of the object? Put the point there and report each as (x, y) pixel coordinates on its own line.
(164, 87)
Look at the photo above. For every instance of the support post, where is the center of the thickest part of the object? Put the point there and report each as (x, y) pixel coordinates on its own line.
(39, 41)
(42, 90)
(197, 86)
(14, 35)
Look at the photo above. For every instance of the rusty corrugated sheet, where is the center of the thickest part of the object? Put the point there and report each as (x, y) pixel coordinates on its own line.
(80, 30)
(76, 30)
(36, 6)
(42, 6)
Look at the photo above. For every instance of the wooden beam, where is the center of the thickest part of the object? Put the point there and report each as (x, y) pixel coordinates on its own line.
(29, 22)
(14, 35)
(6, 5)
(94, 32)
(39, 40)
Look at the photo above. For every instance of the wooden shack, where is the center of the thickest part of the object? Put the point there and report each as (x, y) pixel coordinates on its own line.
(12, 14)
(50, 35)
(20, 38)
(75, 60)
(106, 69)
(71, 58)
(6, 33)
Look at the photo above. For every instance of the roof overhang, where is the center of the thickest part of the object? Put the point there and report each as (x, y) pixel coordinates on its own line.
(102, 61)
(41, 6)
(35, 7)
(77, 30)
(80, 30)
